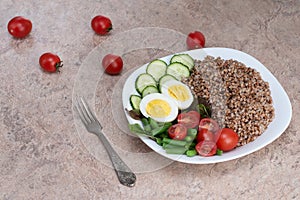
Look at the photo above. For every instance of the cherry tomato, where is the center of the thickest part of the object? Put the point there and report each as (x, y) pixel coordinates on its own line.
(101, 25)
(177, 132)
(206, 148)
(112, 64)
(195, 40)
(209, 124)
(205, 134)
(50, 62)
(227, 139)
(19, 27)
(190, 119)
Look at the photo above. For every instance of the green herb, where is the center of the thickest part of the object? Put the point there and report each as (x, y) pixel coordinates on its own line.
(204, 111)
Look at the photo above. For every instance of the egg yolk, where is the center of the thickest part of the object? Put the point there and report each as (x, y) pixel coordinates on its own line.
(178, 92)
(158, 108)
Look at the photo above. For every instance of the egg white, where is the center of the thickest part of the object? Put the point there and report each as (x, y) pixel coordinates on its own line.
(181, 104)
(174, 109)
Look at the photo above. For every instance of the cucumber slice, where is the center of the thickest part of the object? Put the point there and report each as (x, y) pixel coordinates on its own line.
(135, 101)
(144, 80)
(185, 59)
(165, 78)
(178, 70)
(149, 90)
(157, 68)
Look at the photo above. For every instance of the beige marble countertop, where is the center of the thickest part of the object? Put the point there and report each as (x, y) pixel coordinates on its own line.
(45, 152)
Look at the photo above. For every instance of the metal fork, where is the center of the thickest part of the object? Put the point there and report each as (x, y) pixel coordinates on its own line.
(125, 175)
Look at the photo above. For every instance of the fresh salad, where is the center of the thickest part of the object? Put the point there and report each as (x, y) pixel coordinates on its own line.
(172, 116)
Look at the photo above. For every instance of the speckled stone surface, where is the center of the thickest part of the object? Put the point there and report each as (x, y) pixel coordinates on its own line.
(46, 154)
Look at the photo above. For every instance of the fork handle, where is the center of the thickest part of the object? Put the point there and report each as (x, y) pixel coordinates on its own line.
(124, 173)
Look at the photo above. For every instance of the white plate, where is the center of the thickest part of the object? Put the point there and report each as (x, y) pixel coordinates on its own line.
(281, 103)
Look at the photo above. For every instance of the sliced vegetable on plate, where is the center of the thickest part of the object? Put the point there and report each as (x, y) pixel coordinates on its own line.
(157, 68)
(144, 80)
(178, 70)
(185, 59)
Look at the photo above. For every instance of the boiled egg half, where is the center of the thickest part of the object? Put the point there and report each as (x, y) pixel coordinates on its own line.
(179, 92)
(159, 107)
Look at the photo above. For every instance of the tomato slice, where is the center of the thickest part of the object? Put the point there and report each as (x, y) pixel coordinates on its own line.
(209, 124)
(177, 132)
(190, 119)
(205, 134)
(195, 114)
(206, 148)
(227, 139)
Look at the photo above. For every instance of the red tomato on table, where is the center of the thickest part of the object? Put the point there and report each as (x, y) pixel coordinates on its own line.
(195, 40)
(112, 64)
(19, 27)
(50, 62)
(101, 25)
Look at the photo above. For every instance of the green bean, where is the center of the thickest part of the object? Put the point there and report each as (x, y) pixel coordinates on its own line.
(191, 153)
(174, 142)
(189, 138)
(144, 121)
(160, 129)
(192, 132)
(153, 123)
(171, 146)
(164, 145)
(155, 131)
(147, 128)
(164, 135)
(136, 128)
(159, 141)
(146, 124)
(190, 145)
(178, 150)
